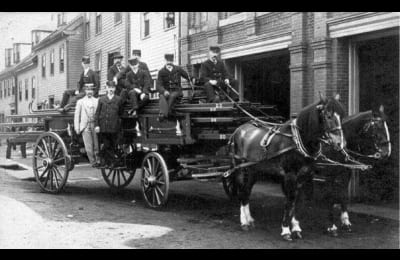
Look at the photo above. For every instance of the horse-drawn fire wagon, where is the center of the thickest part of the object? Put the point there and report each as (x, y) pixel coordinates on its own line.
(192, 145)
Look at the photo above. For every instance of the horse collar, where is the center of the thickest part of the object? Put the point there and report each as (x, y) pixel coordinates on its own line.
(299, 143)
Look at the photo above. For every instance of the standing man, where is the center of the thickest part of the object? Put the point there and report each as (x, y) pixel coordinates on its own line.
(137, 87)
(116, 73)
(169, 85)
(88, 78)
(84, 123)
(108, 122)
(213, 72)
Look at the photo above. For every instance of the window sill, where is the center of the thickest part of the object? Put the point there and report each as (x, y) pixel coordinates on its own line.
(170, 28)
(97, 34)
(146, 37)
(118, 23)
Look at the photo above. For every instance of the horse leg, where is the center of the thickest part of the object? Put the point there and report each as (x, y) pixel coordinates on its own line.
(242, 181)
(332, 230)
(289, 189)
(344, 216)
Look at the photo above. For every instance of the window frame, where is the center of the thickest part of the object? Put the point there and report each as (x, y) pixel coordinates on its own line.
(116, 22)
(44, 65)
(33, 87)
(26, 89)
(9, 87)
(52, 59)
(20, 90)
(97, 63)
(200, 22)
(62, 59)
(98, 23)
(87, 26)
(145, 19)
(1, 89)
(166, 23)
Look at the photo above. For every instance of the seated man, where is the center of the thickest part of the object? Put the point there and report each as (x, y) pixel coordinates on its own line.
(137, 85)
(89, 78)
(169, 85)
(117, 73)
(214, 75)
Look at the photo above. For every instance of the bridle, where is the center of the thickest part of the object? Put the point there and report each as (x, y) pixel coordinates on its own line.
(376, 155)
(338, 128)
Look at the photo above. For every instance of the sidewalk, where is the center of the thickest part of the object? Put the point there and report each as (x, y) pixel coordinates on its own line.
(20, 168)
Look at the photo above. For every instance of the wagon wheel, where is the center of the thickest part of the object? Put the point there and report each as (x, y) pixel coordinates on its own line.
(230, 187)
(119, 176)
(51, 162)
(154, 180)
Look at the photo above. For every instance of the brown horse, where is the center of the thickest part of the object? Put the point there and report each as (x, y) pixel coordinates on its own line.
(291, 148)
(368, 141)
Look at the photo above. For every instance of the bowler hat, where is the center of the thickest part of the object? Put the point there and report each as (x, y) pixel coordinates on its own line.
(89, 86)
(169, 57)
(86, 59)
(215, 49)
(117, 55)
(137, 52)
(133, 61)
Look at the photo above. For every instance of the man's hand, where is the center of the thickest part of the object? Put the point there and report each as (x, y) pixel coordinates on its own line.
(77, 131)
(166, 93)
(137, 90)
(76, 92)
(142, 96)
(213, 82)
(115, 80)
(226, 81)
(97, 129)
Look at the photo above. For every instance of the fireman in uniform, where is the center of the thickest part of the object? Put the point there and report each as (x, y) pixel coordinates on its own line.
(169, 85)
(117, 73)
(214, 74)
(88, 78)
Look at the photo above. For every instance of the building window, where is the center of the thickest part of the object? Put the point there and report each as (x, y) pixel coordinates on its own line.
(87, 26)
(26, 89)
(1, 89)
(146, 24)
(225, 15)
(169, 20)
(16, 54)
(52, 62)
(20, 90)
(197, 21)
(117, 17)
(44, 65)
(5, 88)
(8, 55)
(9, 87)
(51, 102)
(60, 19)
(33, 87)
(62, 58)
(98, 23)
(12, 87)
(97, 61)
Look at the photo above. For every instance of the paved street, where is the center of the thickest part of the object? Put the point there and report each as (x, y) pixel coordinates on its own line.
(198, 215)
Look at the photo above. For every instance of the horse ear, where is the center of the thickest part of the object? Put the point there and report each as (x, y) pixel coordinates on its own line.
(321, 97)
(337, 97)
(381, 109)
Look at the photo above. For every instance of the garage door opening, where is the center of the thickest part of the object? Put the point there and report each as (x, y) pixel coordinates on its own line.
(266, 79)
(378, 67)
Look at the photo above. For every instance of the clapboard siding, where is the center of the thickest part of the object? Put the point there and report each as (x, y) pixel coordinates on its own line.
(6, 101)
(74, 53)
(112, 37)
(23, 104)
(159, 42)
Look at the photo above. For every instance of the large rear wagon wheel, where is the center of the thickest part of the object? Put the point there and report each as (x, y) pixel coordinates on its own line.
(51, 162)
(154, 180)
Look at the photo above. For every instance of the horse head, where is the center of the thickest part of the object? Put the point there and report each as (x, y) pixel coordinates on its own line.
(375, 132)
(331, 114)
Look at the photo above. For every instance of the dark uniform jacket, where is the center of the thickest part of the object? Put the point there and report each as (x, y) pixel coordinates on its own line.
(120, 74)
(140, 80)
(211, 71)
(142, 66)
(90, 77)
(108, 114)
(170, 80)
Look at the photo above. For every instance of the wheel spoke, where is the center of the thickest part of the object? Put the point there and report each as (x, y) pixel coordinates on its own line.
(55, 149)
(41, 150)
(57, 153)
(157, 197)
(56, 179)
(109, 173)
(51, 178)
(153, 197)
(146, 171)
(123, 176)
(113, 178)
(45, 147)
(58, 172)
(160, 182)
(47, 179)
(150, 167)
(40, 167)
(159, 189)
(50, 146)
(156, 166)
(43, 173)
(118, 173)
(58, 160)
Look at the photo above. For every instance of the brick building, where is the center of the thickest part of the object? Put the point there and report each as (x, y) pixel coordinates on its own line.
(287, 58)
(104, 34)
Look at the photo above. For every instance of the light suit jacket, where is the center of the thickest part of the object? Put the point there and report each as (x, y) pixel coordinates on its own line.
(82, 113)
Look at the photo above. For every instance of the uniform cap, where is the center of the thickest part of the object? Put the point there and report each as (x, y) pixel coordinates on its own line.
(86, 59)
(169, 57)
(215, 49)
(137, 52)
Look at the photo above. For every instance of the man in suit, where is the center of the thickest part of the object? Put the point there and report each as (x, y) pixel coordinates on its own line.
(88, 77)
(137, 87)
(117, 73)
(137, 55)
(214, 74)
(169, 85)
(84, 123)
(108, 122)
